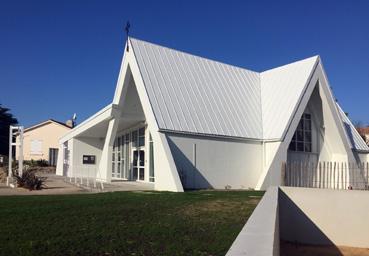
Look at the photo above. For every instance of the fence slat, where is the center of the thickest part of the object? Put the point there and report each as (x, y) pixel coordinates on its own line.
(321, 174)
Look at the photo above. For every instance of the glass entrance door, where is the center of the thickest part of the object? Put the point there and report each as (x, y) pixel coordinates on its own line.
(138, 154)
(138, 172)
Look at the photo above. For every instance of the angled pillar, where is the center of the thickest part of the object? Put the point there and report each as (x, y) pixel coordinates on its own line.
(104, 172)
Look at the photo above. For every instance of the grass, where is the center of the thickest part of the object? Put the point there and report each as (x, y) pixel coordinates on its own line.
(124, 223)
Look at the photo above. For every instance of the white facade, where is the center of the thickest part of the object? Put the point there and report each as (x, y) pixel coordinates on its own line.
(185, 122)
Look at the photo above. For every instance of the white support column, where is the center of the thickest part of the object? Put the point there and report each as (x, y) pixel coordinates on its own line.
(10, 174)
(104, 172)
(20, 154)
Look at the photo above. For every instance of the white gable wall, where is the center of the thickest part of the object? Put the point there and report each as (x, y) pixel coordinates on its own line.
(335, 146)
(166, 175)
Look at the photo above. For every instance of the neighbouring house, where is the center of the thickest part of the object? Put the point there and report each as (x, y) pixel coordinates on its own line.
(185, 122)
(41, 141)
(364, 132)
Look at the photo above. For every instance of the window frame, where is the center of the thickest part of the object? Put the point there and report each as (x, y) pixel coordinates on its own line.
(302, 140)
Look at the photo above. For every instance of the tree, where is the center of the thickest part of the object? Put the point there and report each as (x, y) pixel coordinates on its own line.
(6, 119)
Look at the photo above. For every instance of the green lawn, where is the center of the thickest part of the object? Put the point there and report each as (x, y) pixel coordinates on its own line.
(124, 223)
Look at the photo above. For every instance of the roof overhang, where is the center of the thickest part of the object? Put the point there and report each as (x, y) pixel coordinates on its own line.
(104, 115)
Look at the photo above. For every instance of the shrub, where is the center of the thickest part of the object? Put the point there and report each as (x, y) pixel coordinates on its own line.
(36, 163)
(30, 180)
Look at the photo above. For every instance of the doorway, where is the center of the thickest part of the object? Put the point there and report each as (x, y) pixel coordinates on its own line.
(138, 154)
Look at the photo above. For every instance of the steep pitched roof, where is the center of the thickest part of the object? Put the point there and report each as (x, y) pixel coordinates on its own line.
(197, 95)
(356, 141)
(192, 94)
(281, 90)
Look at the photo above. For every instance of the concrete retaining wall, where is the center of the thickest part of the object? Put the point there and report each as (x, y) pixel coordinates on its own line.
(260, 235)
(307, 216)
(324, 216)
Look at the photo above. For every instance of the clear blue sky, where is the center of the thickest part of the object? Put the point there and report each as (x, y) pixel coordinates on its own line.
(61, 57)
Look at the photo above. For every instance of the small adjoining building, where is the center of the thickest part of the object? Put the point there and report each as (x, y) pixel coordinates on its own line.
(41, 141)
(364, 132)
(185, 122)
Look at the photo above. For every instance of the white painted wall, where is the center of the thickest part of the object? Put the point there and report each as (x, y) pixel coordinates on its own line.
(205, 162)
(333, 143)
(324, 216)
(85, 146)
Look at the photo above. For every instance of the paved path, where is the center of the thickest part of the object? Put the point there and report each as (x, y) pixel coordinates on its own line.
(56, 185)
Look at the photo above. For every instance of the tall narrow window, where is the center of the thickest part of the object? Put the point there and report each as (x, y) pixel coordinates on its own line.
(302, 139)
(151, 163)
(126, 146)
(134, 139)
(141, 137)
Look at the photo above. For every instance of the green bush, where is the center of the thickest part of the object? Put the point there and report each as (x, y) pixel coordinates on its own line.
(30, 180)
(36, 163)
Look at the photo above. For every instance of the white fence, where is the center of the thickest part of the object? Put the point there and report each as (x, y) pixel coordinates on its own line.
(333, 175)
(86, 175)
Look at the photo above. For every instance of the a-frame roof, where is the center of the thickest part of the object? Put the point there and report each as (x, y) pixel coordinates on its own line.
(196, 95)
(191, 94)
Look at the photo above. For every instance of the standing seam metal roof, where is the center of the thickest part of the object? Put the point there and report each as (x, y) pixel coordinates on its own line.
(352, 134)
(194, 94)
(191, 94)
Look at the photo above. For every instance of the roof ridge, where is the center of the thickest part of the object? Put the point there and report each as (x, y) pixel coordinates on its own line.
(291, 63)
(194, 55)
(44, 122)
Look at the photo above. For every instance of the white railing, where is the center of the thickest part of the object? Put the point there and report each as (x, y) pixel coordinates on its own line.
(86, 176)
(333, 175)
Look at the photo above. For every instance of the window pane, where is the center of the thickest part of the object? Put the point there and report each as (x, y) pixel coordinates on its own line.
(141, 132)
(142, 158)
(307, 147)
(134, 174)
(292, 145)
(307, 124)
(307, 116)
(135, 158)
(134, 138)
(118, 170)
(151, 165)
(142, 174)
(300, 146)
(301, 125)
(307, 137)
(141, 141)
(300, 136)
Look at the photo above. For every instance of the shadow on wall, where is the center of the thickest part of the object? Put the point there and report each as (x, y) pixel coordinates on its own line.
(296, 227)
(190, 175)
(349, 133)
